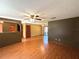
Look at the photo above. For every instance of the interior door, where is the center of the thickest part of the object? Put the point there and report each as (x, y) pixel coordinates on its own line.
(28, 31)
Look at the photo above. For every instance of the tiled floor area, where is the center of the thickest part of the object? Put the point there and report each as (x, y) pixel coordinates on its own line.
(37, 48)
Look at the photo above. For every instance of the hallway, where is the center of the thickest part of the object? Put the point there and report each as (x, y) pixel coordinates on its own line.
(36, 48)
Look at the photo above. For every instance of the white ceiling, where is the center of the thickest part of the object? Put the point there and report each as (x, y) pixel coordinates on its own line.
(46, 8)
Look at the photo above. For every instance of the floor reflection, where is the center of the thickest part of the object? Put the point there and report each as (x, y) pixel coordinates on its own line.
(45, 40)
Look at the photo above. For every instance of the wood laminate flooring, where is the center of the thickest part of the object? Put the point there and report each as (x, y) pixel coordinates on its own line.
(38, 48)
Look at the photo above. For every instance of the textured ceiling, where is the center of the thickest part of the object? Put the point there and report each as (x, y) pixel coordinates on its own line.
(46, 8)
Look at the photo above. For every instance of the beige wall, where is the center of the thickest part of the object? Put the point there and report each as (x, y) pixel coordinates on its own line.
(36, 30)
(24, 30)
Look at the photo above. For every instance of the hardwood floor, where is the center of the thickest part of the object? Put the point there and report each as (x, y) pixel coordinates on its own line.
(38, 48)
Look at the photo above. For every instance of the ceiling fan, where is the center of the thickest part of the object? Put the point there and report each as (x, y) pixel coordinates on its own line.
(36, 16)
(32, 16)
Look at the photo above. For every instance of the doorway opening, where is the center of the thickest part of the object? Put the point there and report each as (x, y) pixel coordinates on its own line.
(28, 31)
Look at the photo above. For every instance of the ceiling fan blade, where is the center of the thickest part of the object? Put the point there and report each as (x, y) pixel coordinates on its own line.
(43, 17)
(53, 18)
(32, 12)
(39, 19)
(26, 16)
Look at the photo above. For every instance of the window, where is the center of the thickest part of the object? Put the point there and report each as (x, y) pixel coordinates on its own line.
(1, 27)
(46, 30)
